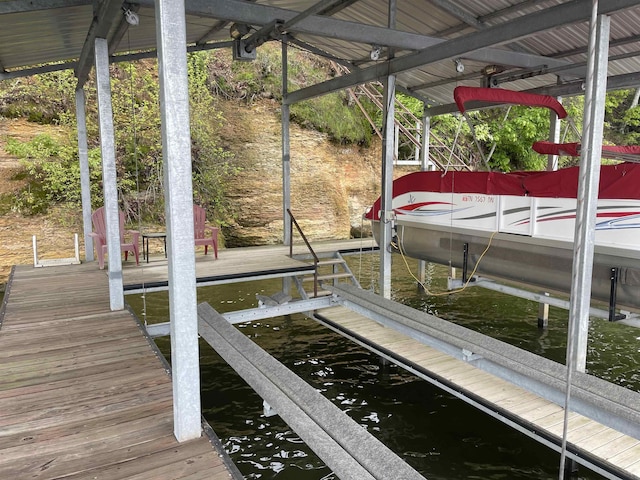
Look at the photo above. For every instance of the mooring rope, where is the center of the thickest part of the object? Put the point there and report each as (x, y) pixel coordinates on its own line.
(135, 158)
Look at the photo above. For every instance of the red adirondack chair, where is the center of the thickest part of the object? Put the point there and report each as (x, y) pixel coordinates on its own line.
(204, 234)
(100, 237)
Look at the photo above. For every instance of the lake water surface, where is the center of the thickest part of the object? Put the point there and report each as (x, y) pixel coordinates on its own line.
(439, 435)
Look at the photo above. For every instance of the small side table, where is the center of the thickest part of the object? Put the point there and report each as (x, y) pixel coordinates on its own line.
(145, 243)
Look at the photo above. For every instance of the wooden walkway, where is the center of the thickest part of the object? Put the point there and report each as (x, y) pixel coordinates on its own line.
(82, 392)
(605, 447)
(236, 264)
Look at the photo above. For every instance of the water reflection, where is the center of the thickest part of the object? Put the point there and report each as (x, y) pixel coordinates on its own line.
(437, 434)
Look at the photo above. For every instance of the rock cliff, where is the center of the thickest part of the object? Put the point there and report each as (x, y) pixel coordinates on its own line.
(331, 185)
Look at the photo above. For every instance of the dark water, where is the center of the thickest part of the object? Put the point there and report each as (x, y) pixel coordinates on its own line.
(439, 435)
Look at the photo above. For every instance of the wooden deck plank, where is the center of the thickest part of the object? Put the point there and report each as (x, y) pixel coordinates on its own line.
(51, 414)
(185, 469)
(579, 436)
(626, 458)
(536, 414)
(83, 394)
(32, 388)
(602, 439)
(80, 391)
(41, 432)
(241, 262)
(159, 460)
(427, 354)
(616, 446)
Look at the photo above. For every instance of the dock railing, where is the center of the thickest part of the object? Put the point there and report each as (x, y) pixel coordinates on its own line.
(315, 257)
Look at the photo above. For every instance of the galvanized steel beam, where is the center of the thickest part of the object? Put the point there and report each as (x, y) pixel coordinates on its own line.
(21, 6)
(109, 175)
(256, 14)
(255, 314)
(459, 13)
(176, 152)
(575, 11)
(388, 153)
(589, 177)
(287, 234)
(108, 12)
(85, 182)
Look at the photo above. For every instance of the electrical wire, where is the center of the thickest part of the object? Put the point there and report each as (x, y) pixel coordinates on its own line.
(398, 245)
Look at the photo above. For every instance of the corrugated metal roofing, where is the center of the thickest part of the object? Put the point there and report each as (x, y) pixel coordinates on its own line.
(37, 32)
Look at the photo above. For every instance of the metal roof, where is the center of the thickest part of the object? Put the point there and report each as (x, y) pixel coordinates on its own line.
(530, 44)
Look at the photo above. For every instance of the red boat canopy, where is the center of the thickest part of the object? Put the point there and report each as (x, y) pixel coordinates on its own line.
(616, 182)
(462, 95)
(630, 153)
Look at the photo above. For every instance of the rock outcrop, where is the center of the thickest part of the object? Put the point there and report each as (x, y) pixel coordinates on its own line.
(331, 185)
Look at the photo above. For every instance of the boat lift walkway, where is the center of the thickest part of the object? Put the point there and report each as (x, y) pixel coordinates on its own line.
(84, 393)
(517, 387)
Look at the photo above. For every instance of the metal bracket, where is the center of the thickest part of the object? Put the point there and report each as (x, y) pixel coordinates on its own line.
(268, 410)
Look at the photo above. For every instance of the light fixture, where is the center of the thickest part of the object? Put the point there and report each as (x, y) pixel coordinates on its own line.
(459, 65)
(238, 30)
(375, 52)
(132, 18)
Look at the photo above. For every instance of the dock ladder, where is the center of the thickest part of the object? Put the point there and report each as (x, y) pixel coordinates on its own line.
(331, 267)
(327, 267)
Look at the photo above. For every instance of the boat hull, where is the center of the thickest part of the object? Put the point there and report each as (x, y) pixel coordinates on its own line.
(527, 219)
(542, 263)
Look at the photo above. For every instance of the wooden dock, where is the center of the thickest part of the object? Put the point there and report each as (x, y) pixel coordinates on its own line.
(83, 393)
(236, 264)
(606, 450)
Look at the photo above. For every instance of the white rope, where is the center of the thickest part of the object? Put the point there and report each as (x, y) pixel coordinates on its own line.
(135, 158)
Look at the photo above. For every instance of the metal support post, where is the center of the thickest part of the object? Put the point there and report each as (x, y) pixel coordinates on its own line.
(613, 297)
(287, 236)
(85, 178)
(176, 152)
(465, 261)
(554, 136)
(543, 312)
(286, 147)
(387, 170)
(588, 196)
(109, 175)
(426, 142)
(424, 166)
(587, 199)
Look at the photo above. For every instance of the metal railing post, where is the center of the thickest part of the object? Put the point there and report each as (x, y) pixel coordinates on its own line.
(315, 257)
